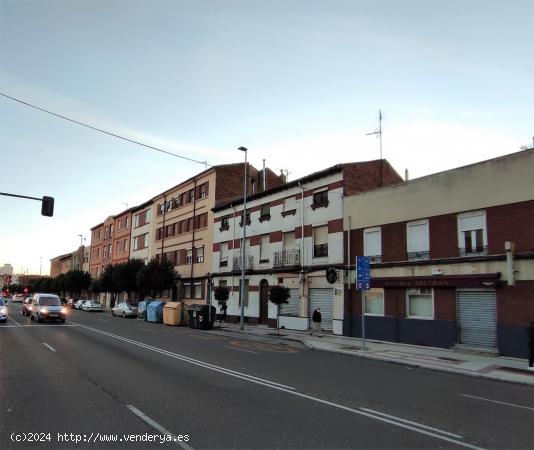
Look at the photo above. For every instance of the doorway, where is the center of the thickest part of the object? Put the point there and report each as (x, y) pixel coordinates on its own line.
(264, 301)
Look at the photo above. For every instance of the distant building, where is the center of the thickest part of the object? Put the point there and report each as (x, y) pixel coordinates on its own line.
(60, 264)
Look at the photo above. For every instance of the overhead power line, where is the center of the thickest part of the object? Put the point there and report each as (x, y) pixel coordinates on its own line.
(100, 130)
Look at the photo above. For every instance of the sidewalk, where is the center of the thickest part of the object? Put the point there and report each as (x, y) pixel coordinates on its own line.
(472, 364)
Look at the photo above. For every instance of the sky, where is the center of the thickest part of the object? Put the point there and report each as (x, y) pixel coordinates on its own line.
(298, 83)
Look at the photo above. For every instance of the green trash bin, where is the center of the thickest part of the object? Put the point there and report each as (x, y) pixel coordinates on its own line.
(199, 317)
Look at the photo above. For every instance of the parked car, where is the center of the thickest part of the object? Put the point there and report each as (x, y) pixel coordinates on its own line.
(78, 304)
(124, 309)
(3, 310)
(27, 306)
(48, 307)
(91, 305)
(17, 298)
(72, 303)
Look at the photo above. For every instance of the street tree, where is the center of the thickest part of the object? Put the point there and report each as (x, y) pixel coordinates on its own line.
(124, 276)
(106, 283)
(156, 276)
(278, 295)
(77, 281)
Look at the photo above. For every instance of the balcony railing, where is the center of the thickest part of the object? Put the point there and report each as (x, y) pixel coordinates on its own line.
(418, 255)
(479, 251)
(286, 258)
(237, 265)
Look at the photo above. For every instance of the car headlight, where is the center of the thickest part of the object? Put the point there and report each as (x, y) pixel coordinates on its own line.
(30, 308)
(63, 310)
(43, 310)
(3, 310)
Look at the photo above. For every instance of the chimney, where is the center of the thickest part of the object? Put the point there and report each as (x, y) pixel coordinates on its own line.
(264, 177)
(282, 176)
(406, 178)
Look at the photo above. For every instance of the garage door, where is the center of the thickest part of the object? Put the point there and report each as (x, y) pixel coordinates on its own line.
(324, 299)
(477, 318)
(291, 308)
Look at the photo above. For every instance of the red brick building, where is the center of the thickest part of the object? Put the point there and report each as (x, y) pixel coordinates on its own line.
(452, 258)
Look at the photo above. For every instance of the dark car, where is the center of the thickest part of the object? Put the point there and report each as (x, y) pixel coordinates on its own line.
(27, 306)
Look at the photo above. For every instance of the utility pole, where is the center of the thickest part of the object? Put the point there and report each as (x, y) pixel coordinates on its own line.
(378, 133)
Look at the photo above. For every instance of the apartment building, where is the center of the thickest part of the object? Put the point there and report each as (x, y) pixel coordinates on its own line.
(182, 219)
(120, 237)
(97, 250)
(60, 264)
(452, 258)
(294, 234)
(141, 235)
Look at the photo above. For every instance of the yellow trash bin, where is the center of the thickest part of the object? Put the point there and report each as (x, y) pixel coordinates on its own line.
(175, 313)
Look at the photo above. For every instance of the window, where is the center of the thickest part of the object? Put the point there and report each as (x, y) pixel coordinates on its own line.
(265, 210)
(202, 190)
(223, 261)
(183, 198)
(245, 301)
(320, 242)
(176, 202)
(198, 290)
(374, 302)
(417, 240)
(372, 244)
(247, 219)
(187, 290)
(199, 254)
(189, 256)
(289, 240)
(420, 303)
(320, 198)
(472, 235)
(225, 224)
(265, 245)
(290, 205)
(191, 196)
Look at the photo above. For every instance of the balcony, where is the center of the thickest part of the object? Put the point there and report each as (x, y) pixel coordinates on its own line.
(478, 251)
(415, 256)
(286, 258)
(238, 261)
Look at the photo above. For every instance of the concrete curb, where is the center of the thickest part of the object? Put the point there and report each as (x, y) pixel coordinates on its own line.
(311, 346)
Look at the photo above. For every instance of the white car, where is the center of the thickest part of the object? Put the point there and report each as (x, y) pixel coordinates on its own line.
(124, 309)
(17, 298)
(91, 305)
(79, 303)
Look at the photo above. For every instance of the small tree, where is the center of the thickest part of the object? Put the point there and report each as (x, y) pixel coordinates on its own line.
(221, 294)
(77, 281)
(278, 295)
(106, 283)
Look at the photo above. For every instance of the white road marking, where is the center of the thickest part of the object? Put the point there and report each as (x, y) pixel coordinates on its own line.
(157, 426)
(498, 402)
(417, 424)
(48, 325)
(189, 360)
(288, 390)
(11, 318)
(49, 347)
(242, 350)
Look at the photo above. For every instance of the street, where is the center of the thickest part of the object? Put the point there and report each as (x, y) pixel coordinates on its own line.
(97, 374)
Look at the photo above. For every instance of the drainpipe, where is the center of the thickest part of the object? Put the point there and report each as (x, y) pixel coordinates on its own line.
(163, 232)
(193, 253)
(509, 247)
(233, 249)
(302, 243)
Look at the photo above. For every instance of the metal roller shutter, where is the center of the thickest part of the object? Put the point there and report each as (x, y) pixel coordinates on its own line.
(291, 308)
(477, 318)
(324, 299)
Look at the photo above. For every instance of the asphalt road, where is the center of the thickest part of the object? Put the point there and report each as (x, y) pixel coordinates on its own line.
(114, 376)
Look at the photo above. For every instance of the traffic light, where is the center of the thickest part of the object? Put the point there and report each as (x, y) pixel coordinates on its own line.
(47, 207)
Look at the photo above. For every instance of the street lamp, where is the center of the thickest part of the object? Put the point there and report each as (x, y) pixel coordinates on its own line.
(244, 220)
(40, 264)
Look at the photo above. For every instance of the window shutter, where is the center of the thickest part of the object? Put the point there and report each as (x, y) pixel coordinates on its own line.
(372, 242)
(418, 238)
(320, 235)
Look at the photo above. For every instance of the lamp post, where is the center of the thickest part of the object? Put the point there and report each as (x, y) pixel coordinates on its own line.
(40, 264)
(243, 252)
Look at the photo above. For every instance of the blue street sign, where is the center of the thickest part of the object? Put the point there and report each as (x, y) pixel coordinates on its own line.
(363, 273)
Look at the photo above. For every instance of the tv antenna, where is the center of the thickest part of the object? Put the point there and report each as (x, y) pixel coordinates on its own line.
(378, 133)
